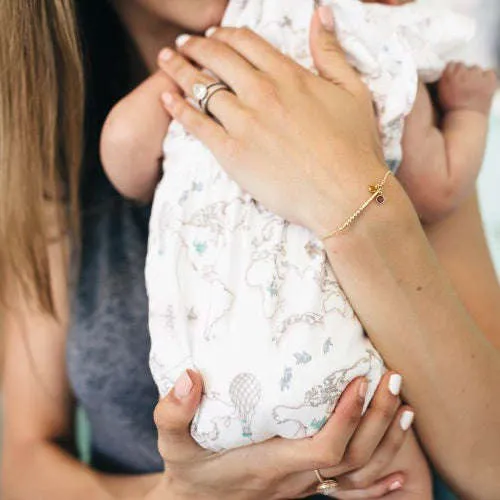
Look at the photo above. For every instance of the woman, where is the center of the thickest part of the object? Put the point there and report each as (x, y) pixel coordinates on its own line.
(107, 357)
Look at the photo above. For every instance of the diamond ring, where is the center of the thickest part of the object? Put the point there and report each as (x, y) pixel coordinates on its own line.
(203, 93)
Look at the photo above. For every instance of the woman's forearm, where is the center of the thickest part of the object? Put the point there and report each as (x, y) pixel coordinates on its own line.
(418, 323)
(460, 245)
(46, 472)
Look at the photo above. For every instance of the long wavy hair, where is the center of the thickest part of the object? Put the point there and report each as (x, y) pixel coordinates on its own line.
(52, 52)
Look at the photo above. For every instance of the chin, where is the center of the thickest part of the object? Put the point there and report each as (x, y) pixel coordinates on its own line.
(199, 15)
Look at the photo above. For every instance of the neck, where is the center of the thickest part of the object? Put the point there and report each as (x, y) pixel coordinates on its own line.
(148, 33)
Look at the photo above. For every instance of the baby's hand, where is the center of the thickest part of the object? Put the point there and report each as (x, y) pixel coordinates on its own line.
(462, 87)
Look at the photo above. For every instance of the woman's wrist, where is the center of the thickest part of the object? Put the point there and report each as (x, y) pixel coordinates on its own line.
(377, 225)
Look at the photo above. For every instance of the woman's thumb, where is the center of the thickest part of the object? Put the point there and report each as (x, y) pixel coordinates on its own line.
(328, 55)
(173, 416)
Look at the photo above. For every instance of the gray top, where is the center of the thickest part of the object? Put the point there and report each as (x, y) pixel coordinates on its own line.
(108, 344)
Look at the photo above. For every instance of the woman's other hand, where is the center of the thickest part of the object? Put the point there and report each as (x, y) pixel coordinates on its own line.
(353, 448)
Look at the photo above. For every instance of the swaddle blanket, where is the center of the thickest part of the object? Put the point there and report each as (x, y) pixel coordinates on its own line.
(243, 296)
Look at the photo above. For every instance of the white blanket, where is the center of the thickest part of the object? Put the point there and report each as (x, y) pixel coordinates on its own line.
(243, 296)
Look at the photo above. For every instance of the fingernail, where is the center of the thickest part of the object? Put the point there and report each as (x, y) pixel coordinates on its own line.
(395, 381)
(210, 31)
(406, 420)
(396, 485)
(166, 54)
(181, 40)
(167, 98)
(363, 389)
(183, 386)
(326, 17)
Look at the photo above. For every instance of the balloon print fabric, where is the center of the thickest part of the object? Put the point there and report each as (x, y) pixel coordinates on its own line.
(243, 296)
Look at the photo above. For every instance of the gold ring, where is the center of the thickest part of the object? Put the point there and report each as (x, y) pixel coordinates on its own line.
(326, 486)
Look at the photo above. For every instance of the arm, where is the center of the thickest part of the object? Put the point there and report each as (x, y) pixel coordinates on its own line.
(131, 141)
(451, 370)
(38, 413)
(386, 266)
(466, 257)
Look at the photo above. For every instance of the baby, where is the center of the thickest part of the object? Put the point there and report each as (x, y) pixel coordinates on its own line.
(247, 298)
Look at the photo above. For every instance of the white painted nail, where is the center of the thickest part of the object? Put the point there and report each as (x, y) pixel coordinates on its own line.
(210, 31)
(183, 386)
(181, 40)
(395, 381)
(166, 54)
(406, 420)
(396, 485)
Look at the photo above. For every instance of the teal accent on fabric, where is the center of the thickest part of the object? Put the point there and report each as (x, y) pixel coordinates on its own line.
(83, 436)
(318, 424)
(200, 247)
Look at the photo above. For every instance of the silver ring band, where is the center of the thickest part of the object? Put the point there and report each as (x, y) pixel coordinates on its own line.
(205, 92)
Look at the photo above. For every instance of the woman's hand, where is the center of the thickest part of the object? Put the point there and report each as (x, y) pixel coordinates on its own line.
(305, 146)
(281, 468)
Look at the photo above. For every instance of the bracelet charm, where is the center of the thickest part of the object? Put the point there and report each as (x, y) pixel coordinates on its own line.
(377, 194)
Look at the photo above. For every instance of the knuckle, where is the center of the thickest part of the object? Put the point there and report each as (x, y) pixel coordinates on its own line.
(262, 480)
(165, 421)
(160, 415)
(384, 412)
(239, 36)
(245, 32)
(247, 125)
(395, 440)
(358, 480)
(356, 459)
(176, 65)
(267, 93)
(328, 457)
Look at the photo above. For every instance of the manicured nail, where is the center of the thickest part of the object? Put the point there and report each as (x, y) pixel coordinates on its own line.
(210, 31)
(167, 98)
(181, 40)
(396, 485)
(166, 54)
(363, 389)
(395, 381)
(326, 18)
(183, 386)
(406, 420)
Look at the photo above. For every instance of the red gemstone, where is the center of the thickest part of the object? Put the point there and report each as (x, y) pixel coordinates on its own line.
(380, 199)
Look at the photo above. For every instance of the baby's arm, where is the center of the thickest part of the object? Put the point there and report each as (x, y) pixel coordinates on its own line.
(441, 164)
(131, 140)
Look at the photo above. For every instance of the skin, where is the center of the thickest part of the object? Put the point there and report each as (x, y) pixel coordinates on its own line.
(425, 314)
(38, 459)
(36, 466)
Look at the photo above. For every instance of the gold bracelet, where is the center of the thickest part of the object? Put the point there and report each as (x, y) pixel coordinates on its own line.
(377, 191)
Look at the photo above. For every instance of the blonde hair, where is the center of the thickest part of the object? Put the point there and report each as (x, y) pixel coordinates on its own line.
(41, 129)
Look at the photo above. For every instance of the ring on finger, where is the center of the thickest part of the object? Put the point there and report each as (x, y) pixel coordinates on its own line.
(326, 486)
(203, 93)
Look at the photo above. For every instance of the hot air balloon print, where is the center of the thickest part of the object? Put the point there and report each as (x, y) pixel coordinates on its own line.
(245, 392)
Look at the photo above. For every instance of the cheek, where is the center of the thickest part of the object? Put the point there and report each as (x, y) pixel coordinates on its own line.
(190, 15)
